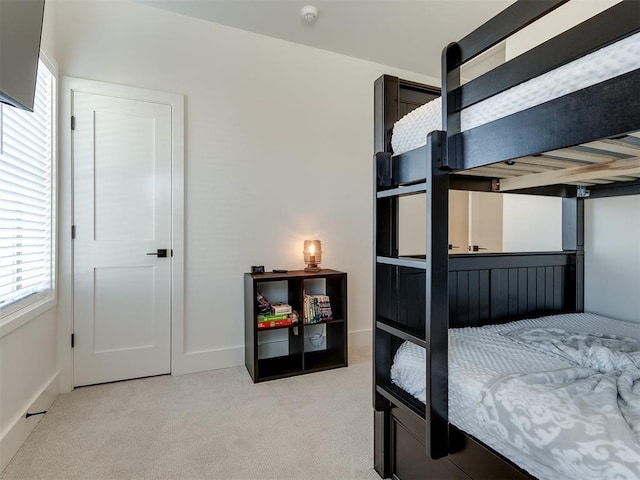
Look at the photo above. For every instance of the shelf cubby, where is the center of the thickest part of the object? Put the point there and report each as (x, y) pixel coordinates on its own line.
(284, 351)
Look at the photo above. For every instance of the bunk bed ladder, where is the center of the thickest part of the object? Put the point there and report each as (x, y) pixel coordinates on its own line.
(400, 281)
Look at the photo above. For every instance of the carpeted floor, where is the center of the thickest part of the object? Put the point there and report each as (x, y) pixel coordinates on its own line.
(212, 425)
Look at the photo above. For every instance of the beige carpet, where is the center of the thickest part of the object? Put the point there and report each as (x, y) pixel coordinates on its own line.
(213, 425)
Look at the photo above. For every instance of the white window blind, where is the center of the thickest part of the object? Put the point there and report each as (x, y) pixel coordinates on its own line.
(26, 203)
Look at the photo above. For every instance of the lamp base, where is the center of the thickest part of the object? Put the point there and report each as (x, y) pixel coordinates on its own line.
(312, 267)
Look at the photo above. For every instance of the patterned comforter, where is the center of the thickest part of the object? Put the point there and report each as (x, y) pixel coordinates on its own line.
(551, 395)
(582, 420)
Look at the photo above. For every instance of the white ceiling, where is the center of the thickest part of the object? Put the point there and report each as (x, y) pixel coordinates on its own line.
(406, 34)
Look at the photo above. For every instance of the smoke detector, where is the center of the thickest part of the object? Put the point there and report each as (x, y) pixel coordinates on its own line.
(309, 13)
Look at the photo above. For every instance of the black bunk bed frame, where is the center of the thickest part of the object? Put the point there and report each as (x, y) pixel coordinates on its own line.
(419, 298)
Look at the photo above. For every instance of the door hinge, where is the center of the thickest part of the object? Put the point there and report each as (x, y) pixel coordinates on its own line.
(73, 232)
(73, 122)
(73, 340)
(172, 252)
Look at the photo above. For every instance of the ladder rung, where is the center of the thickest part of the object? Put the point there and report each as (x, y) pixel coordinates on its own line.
(401, 191)
(397, 332)
(403, 262)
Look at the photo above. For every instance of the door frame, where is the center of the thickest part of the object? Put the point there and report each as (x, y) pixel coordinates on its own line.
(66, 215)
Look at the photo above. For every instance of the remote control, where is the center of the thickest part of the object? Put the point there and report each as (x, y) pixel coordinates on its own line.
(276, 270)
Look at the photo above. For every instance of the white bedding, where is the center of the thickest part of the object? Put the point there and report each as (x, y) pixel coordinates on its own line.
(611, 61)
(495, 370)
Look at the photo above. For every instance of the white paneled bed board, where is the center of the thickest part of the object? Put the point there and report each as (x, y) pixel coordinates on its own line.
(559, 395)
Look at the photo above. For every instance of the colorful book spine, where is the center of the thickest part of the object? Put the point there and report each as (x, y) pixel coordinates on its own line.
(317, 308)
(269, 318)
(275, 323)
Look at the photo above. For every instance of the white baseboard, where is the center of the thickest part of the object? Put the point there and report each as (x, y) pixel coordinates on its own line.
(360, 339)
(202, 361)
(14, 436)
(209, 360)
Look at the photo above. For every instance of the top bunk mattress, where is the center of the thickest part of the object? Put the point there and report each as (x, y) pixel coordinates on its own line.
(411, 131)
(555, 395)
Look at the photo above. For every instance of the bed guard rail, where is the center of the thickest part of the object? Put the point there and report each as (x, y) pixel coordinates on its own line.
(611, 25)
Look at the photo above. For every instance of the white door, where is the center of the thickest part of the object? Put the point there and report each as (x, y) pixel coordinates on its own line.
(458, 221)
(121, 154)
(485, 222)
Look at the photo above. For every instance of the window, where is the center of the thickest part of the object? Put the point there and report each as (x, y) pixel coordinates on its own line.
(27, 201)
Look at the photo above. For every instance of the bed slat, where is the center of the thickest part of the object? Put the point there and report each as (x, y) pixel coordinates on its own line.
(616, 146)
(548, 161)
(605, 170)
(578, 156)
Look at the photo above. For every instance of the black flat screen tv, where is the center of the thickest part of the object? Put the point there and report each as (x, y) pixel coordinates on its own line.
(20, 32)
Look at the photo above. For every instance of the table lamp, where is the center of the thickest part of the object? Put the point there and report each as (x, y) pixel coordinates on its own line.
(312, 255)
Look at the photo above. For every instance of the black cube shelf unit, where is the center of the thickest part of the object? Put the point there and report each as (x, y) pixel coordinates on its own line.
(279, 352)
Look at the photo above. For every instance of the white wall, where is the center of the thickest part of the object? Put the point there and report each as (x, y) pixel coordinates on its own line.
(28, 354)
(531, 223)
(558, 21)
(412, 225)
(28, 380)
(279, 145)
(612, 257)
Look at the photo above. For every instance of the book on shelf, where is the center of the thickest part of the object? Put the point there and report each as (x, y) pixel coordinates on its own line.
(278, 308)
(317, 308)
(285, 322)
(271, 317)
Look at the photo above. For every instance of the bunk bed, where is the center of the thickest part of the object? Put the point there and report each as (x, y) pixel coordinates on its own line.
(577, 144)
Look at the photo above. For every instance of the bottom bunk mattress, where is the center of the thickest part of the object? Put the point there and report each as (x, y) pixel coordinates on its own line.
(559, 396)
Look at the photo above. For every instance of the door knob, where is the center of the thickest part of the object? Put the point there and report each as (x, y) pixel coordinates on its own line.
(161, 253)
(475, 248)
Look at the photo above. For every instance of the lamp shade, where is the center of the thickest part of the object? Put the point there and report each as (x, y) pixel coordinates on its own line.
(312, 255)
